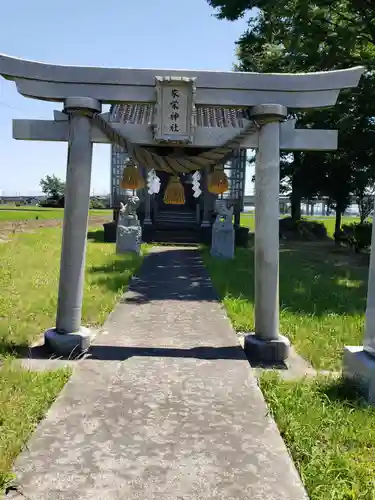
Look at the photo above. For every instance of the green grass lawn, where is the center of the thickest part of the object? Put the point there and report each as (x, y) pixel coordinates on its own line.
(330, 434)
(322, 298)
(29, 292)
(25, 397)
(8, 213)
(28, 283)
(322, 295)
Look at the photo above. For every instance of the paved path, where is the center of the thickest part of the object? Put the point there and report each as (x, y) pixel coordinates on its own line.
(165, 406)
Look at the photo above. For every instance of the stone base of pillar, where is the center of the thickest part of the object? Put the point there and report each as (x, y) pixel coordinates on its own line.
(359, 370)
(68, 344)
(205, 223)
(268, 351)
(147, 222)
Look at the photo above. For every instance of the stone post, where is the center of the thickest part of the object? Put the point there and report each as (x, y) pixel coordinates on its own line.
(359, 361)
(267, 344)
(369, 335)
(69, 335)
(147, 201)
(147, 219)
(237, 215)
(206, 199)
(198, 213)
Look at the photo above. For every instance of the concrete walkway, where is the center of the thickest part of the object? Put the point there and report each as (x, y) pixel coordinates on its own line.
(164, 407)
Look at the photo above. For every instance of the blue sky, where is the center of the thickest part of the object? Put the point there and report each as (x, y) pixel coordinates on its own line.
(124, 33)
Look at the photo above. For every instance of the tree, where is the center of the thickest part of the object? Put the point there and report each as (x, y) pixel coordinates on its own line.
(52, 187)
(300, 36)
(365, 202)
(353, 18)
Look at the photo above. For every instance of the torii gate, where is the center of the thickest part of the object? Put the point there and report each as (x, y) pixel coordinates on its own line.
(83, 90)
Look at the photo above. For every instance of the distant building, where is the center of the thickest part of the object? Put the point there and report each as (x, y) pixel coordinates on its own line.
(22, 200)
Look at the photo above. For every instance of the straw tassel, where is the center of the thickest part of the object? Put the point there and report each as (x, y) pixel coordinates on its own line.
(132, 177)
(174, 193)
(217, 181)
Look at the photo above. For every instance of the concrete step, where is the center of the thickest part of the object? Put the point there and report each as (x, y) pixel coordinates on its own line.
(176, 216)
(182, 212)
(176, 225)
(176, 219)
(182, 215)
(175, 236)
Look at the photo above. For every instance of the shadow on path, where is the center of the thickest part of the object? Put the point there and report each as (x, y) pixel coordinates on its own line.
(206, 353)
(122, 353)
(171, 274)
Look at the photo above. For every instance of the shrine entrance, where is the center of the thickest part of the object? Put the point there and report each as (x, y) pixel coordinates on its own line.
(203, 119)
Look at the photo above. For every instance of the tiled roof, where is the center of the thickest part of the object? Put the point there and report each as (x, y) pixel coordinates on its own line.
(139, 114)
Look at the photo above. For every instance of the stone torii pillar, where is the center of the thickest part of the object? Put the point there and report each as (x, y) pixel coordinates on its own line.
(69, 336)
(359, 361)
(267, 344)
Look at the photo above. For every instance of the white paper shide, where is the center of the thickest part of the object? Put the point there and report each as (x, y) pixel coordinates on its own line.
(196, 184)
(153, 182)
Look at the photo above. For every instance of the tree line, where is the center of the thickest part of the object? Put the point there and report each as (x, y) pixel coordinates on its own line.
(54, 190)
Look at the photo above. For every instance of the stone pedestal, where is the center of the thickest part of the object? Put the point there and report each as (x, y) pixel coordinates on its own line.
(223, 234)
(222, 245)
(359, 370)
(129, 239)
(68, 345)
(269, 351)
(129, 231)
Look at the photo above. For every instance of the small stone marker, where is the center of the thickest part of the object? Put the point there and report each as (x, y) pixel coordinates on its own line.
(129, 231)
(222, 245)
